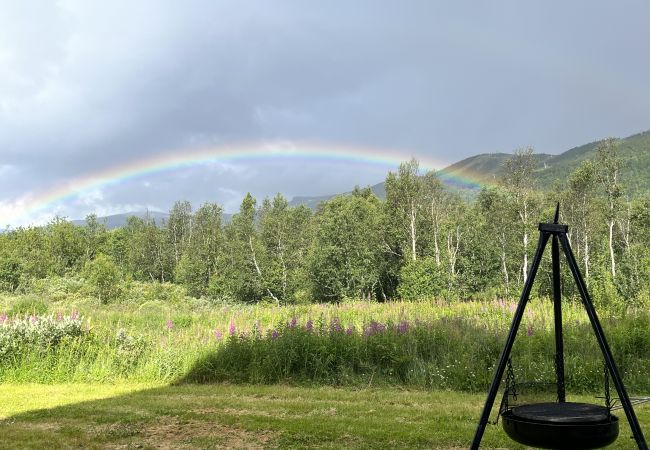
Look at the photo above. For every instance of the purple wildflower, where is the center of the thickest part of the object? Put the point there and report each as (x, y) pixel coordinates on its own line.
(59, 317)
(293, 323)
(33, 318)
(335, 325)
(218, 335)
(74, 315)
(403, 327)
(170, 324)
(309, 326)
(350, 330)
(274, 334)
(3, 318)
(529, 332)
(232, 330)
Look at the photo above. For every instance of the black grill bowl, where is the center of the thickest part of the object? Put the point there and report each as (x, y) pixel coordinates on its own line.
(561, 425)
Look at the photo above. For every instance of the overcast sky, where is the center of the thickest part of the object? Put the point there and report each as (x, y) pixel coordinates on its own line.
(89, 85)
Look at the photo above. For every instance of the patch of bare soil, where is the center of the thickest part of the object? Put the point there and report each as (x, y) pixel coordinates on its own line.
(37, 426)
(171, 433)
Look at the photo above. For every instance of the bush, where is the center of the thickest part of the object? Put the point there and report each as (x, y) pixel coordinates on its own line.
(10, 274)
(104, 278)
(422, 279)
(18, 335)
(28, 306)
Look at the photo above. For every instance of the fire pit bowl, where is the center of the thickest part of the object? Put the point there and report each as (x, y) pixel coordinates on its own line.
(564, 425)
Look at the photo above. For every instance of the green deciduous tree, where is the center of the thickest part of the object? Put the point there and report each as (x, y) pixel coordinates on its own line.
(608, 166)
(284, 236)
(149, 255)
(405, 200)
(199, 262)
(344, 256)
(579, 210)
(517, 181)
(103, 277)
(179, 227)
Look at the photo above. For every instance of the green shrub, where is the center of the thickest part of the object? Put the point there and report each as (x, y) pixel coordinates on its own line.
(103, 277)
(27, 305)
(17, 335)
(421, 279)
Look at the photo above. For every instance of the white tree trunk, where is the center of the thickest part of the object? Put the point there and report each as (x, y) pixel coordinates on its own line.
(257, 269)
(413, 231)
(611, 247)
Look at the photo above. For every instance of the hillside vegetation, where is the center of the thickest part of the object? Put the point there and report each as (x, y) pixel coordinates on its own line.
(551, 170)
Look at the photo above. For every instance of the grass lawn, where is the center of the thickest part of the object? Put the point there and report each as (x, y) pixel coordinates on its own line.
(95, 416)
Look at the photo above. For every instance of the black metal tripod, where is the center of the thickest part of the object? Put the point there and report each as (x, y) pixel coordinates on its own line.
(559, 234)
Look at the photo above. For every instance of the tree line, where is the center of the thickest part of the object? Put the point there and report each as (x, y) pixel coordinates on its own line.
(422, 241)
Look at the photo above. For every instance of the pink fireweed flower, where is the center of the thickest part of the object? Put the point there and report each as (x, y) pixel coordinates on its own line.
(218, 335)
(232, 330)
(59, 317)
(3, 318)
(309, 326)
(170, 324)
(33, 318)
(335, 325)
(403, 327)
(74, 315)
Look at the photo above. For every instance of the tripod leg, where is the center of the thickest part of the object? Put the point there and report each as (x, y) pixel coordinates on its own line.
(557, 310)
(519, 313)
(604, 347)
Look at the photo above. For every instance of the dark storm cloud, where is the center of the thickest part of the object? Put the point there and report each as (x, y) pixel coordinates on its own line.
(89, 85)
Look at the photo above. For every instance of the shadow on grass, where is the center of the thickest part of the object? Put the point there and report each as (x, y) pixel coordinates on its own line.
(253, 416)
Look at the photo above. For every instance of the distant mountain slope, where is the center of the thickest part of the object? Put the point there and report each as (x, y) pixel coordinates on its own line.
(119, 220)
(635, 174)
(312, 202)
(480, 169)
(555, 169)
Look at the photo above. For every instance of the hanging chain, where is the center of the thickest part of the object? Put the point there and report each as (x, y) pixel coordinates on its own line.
(511, 387)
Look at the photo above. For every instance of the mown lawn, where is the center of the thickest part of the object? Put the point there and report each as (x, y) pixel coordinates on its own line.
(93, 416)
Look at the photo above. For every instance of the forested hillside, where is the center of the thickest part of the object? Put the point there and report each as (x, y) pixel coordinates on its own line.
(421, 241)
(551, 170)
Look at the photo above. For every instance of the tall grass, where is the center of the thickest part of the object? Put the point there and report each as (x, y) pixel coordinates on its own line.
(428, 344)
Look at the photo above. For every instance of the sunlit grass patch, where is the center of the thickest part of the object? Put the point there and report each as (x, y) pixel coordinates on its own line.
(247, 416)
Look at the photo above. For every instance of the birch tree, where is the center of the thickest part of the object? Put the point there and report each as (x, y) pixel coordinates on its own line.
(517, 179)
(179, 227)
(608, 166)
(404, 199)
(580, 199)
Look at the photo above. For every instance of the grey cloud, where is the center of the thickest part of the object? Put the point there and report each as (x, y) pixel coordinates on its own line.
(89, 85)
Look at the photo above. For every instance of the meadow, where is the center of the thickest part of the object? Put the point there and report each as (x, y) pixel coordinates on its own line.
(359, 365)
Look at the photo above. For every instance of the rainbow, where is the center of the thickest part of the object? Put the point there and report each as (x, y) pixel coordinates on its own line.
(174, 160)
